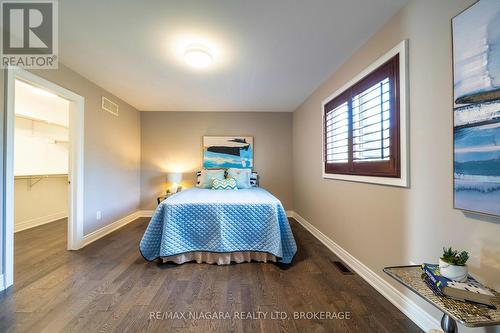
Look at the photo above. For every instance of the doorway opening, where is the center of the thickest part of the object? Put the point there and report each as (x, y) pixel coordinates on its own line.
(41, 157)
(43, 170)
(41, 163)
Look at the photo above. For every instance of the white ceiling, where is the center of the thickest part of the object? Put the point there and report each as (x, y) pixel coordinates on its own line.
(270, 55)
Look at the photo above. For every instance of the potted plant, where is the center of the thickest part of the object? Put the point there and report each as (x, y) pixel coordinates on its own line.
(452, 264)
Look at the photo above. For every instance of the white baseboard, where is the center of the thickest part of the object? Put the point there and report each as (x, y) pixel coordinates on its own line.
(146, 213)
(99, 233)
(2, 282)
(27, 224)
(419, 316)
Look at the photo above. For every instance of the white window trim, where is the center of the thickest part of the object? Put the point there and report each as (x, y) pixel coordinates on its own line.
(403, 181)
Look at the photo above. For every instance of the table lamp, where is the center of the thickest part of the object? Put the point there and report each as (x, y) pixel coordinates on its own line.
(174, 178)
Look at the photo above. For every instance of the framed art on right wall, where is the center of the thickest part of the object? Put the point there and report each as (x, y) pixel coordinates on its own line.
(476, 109)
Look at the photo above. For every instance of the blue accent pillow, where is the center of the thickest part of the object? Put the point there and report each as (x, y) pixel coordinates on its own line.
(242, 177)
(224, 184)
(207, 176)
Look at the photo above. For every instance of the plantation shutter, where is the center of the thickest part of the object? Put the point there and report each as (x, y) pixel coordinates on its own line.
(361, 126)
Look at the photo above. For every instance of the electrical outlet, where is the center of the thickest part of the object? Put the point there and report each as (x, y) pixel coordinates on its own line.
(98, 215)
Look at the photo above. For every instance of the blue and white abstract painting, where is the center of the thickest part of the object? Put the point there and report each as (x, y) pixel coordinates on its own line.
(476, 65)
(222, 152)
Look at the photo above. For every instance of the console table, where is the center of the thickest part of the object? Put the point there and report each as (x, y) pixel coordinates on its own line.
(466, 313)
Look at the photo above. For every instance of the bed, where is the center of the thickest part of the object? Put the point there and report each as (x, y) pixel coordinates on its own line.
(219, 227)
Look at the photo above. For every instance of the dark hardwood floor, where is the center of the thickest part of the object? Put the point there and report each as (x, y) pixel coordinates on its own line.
(108, 286)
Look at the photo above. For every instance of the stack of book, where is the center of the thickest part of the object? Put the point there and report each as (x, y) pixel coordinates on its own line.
(471, 290)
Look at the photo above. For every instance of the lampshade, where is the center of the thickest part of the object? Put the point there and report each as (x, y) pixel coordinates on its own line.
(174, 177)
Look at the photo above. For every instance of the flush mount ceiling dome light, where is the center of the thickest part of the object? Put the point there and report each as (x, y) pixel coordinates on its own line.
(198, 56)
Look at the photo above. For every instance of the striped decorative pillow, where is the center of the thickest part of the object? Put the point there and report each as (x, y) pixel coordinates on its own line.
(224, 184)
(254, 179)
(198, 177)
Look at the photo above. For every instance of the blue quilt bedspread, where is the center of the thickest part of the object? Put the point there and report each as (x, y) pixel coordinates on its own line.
(219, 221)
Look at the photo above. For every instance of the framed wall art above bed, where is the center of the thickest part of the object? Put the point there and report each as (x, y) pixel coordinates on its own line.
(223, 152)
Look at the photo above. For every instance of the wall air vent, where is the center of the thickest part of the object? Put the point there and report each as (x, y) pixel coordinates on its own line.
(108, 105)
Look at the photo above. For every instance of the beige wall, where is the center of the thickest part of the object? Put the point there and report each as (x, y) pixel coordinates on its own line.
(112, 152)
(383, 225)
(44, 202)
(172, 141)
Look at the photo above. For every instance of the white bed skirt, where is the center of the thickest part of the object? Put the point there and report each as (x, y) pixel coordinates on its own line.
(220, 258)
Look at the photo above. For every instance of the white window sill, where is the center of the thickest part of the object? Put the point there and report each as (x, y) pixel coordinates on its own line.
(399, 182)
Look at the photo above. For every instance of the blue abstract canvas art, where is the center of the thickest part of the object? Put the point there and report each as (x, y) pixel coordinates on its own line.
(476, 73)
(222, 152)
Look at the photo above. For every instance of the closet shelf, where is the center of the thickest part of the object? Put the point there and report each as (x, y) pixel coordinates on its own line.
(62, 175)
(39, 120)
(35, 179)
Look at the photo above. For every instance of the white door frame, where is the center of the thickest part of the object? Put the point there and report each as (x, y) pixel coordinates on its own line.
(75, 171)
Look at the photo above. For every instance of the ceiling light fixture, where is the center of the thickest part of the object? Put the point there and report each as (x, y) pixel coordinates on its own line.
(198, 56)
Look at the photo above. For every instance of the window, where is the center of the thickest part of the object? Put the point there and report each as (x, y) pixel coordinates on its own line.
(362, 126)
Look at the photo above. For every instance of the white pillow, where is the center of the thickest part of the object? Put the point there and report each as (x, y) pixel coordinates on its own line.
(207, 176)
(242, 177)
